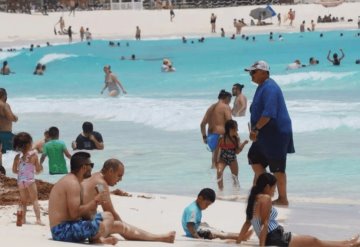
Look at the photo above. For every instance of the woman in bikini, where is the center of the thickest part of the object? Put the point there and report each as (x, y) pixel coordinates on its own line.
(261, 215)
(25, 165)
(228, 147)
(112, 83)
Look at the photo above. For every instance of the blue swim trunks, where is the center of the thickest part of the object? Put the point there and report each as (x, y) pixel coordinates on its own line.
(6, 138)
(212, 141)
(77, 231)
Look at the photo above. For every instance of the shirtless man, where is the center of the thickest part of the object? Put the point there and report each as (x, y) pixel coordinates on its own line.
(69, 216)
(112, 83)
(6, 119)
(111, 173)
(240, 103)
(215, 117)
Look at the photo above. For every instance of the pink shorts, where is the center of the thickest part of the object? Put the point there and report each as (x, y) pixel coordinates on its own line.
(25, 184)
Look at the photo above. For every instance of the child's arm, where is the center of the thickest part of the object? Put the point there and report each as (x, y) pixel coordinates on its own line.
(42, 158)
(35, 161)
(15, 167)
(242, 145)
(218, 150)
(192, 230)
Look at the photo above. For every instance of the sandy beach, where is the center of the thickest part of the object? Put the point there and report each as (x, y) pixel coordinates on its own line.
(121, 24)
(161, 213)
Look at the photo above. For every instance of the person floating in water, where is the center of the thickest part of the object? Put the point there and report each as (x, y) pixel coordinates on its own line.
(336, 60)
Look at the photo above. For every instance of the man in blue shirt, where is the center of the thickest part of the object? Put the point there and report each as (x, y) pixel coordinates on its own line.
(271, 130)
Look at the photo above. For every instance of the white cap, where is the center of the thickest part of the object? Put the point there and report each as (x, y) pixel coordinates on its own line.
(261, 65)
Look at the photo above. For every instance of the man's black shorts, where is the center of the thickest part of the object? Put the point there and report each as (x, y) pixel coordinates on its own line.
(257, 156)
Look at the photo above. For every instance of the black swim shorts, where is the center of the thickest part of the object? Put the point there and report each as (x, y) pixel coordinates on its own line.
(278, 237)
(257, 156)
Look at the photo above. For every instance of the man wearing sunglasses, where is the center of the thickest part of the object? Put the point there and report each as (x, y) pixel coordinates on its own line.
(69, 216)
(271, 130)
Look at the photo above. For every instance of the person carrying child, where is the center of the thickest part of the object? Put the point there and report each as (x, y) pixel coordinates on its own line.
(25, 165)
(228, 147)
(191, 219)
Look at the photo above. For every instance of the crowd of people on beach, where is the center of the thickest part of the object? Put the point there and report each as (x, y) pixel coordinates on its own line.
(77, 220)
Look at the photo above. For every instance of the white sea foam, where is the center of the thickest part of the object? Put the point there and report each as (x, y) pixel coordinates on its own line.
(54, 56)
(181, 115)
(293, 78)
(6, 54)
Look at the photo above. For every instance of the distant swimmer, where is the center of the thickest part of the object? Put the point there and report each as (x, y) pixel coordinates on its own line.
(112, 83)
(39, 69)
(295, 65)
(313, 61)
(336, 59)
(167, 66)
(132, 57)
(5, 69)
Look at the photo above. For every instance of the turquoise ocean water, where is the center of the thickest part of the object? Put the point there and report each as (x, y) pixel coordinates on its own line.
(155, 129)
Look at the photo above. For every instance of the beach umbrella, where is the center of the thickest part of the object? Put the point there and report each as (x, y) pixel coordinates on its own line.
(262, 13)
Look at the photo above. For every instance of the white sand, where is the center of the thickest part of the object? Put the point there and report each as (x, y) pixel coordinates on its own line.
(160, 214)
(37, 28)
(163, 213)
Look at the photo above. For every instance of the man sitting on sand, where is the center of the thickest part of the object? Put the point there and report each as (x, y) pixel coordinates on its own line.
(191, 219)
(111, 173)
(69, 216)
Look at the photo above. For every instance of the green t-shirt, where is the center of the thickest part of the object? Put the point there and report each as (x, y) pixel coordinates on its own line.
(54, 149)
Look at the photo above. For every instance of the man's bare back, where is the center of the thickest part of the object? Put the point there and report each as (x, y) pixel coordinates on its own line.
(216, 117)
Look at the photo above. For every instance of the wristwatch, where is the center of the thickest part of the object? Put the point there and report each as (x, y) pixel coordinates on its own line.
(255, 129)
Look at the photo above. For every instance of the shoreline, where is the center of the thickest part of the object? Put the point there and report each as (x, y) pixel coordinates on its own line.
(155, 24)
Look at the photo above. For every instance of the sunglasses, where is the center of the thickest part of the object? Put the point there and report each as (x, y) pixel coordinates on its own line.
(90, 164)
(253, 72)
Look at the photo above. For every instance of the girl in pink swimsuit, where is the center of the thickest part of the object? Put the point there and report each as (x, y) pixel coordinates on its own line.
(26, 164)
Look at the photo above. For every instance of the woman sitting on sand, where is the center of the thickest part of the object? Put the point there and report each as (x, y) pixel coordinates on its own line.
(261, 214)
(112, 83)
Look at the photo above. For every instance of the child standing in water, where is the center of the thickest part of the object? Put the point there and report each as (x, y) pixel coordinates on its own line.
(228, 147)
(26, 164)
